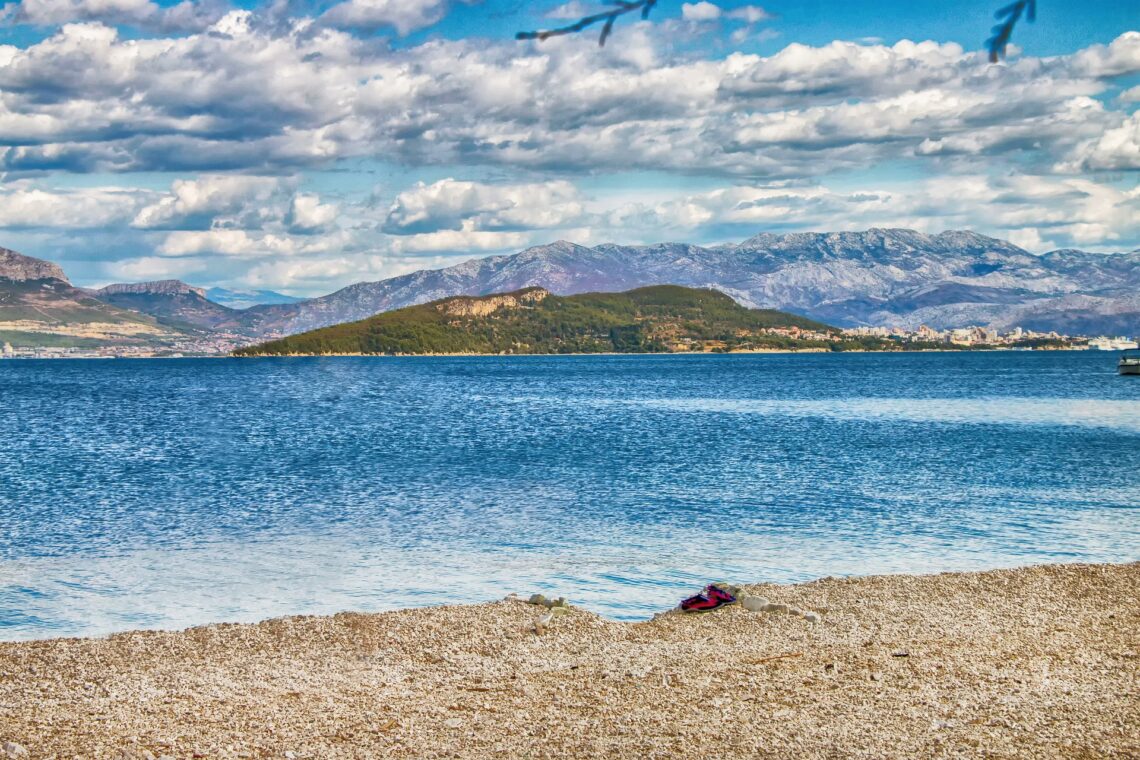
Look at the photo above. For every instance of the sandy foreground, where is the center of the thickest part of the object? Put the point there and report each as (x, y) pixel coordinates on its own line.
(1037, 662)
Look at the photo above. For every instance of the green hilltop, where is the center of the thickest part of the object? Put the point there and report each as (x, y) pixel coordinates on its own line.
(657, 319)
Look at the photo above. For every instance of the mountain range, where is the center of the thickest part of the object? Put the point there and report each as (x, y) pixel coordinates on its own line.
(878, 277)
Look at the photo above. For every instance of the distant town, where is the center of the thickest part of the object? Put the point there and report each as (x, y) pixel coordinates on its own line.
(985, 337)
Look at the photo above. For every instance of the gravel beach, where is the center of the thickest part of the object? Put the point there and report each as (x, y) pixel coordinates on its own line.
(1035, 662)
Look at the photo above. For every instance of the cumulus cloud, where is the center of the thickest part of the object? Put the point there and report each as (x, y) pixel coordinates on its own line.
(702, 11)
(1116, 149)
(205, 202)
(242, 108)
(452, 205)
(23, 205)
(239, 244)
(308, 215)
(241, 98)
(405, 16)
(185, 16)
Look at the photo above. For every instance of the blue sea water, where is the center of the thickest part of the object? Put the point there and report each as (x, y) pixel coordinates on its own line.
(168, 493)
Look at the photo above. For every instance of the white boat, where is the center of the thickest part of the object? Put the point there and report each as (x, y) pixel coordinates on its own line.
(1129, 363)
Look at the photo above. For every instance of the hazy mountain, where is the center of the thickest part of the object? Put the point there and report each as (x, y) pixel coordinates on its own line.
(243, 299)
(171, 302)
(877, 277)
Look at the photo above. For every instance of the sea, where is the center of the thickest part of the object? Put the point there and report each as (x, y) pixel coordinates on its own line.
(164, 494)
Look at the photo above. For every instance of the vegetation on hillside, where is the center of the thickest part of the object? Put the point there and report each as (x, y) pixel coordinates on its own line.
(663, 318)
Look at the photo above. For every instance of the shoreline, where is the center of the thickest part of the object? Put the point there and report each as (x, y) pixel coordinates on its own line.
(749, 352)
(1028, 662)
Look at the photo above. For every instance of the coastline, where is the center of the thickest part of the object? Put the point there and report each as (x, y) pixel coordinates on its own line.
(748, 352)
(1029, 662)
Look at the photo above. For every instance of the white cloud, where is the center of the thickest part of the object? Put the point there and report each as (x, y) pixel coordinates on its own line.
(1116, 149)
(246, 99)
(462, 241)
(198, 203)
(750, 14)
(405, 16)
(185, 16)
(451, 204)
(701, 11)
(23, 205)
(307, 214)
(575, 9)
(243, 244)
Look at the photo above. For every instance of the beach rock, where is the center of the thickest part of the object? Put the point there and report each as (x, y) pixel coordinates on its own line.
(795, 611)
(542, 621)
(773, 607)
(876, 676)
(11, 749)
(754, 603)
(811, 617)
(537, 599)
(136, 754)
(453, 722)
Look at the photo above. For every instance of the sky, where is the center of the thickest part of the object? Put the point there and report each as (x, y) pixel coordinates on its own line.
(303, 146)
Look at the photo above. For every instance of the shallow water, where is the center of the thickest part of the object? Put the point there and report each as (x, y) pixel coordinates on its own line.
(167, 493)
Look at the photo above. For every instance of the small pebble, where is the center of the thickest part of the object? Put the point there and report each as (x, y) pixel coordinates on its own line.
(776, 608)
(453, 722)
(795, 611)
(11, 749)
(876, 676)
(811, 617)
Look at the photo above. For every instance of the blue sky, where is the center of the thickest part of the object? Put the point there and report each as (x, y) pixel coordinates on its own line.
(302, 147)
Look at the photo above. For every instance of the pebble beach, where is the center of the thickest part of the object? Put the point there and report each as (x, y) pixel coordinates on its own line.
(1040, 662)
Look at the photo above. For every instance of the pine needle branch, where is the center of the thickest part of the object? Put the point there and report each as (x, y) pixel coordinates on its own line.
(1009, 16)
(608, 17)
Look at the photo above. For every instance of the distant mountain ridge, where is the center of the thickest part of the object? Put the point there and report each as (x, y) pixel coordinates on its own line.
(881, 277)
(878, 277)
(156, 288)
(244, 299)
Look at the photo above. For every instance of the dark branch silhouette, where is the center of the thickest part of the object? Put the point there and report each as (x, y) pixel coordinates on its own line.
(1003, 31)
(609, 17)
(997, 44)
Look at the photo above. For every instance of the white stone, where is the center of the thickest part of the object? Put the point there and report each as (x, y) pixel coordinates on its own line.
(754, 603)
(795, 611)
(811, 617)
(11, 749)
(453, 722)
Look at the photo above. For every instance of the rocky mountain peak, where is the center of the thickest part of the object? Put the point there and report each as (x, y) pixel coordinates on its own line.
(483, 305)
(158, 287)
(19, 268)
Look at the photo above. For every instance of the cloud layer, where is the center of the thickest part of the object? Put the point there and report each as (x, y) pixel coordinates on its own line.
(245, 111)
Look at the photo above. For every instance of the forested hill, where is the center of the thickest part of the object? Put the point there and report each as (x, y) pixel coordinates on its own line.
(663, 318)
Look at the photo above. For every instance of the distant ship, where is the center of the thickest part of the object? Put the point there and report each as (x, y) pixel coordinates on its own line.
(1129, 363)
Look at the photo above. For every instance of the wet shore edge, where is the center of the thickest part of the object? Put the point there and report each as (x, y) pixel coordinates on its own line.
(1041, 661)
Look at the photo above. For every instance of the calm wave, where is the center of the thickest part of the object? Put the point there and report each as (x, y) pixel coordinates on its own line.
(170, 493)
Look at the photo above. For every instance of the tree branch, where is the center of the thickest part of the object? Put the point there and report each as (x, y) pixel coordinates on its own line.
(609, 17)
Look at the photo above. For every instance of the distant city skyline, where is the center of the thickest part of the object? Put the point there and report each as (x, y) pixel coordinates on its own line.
(303, 147)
